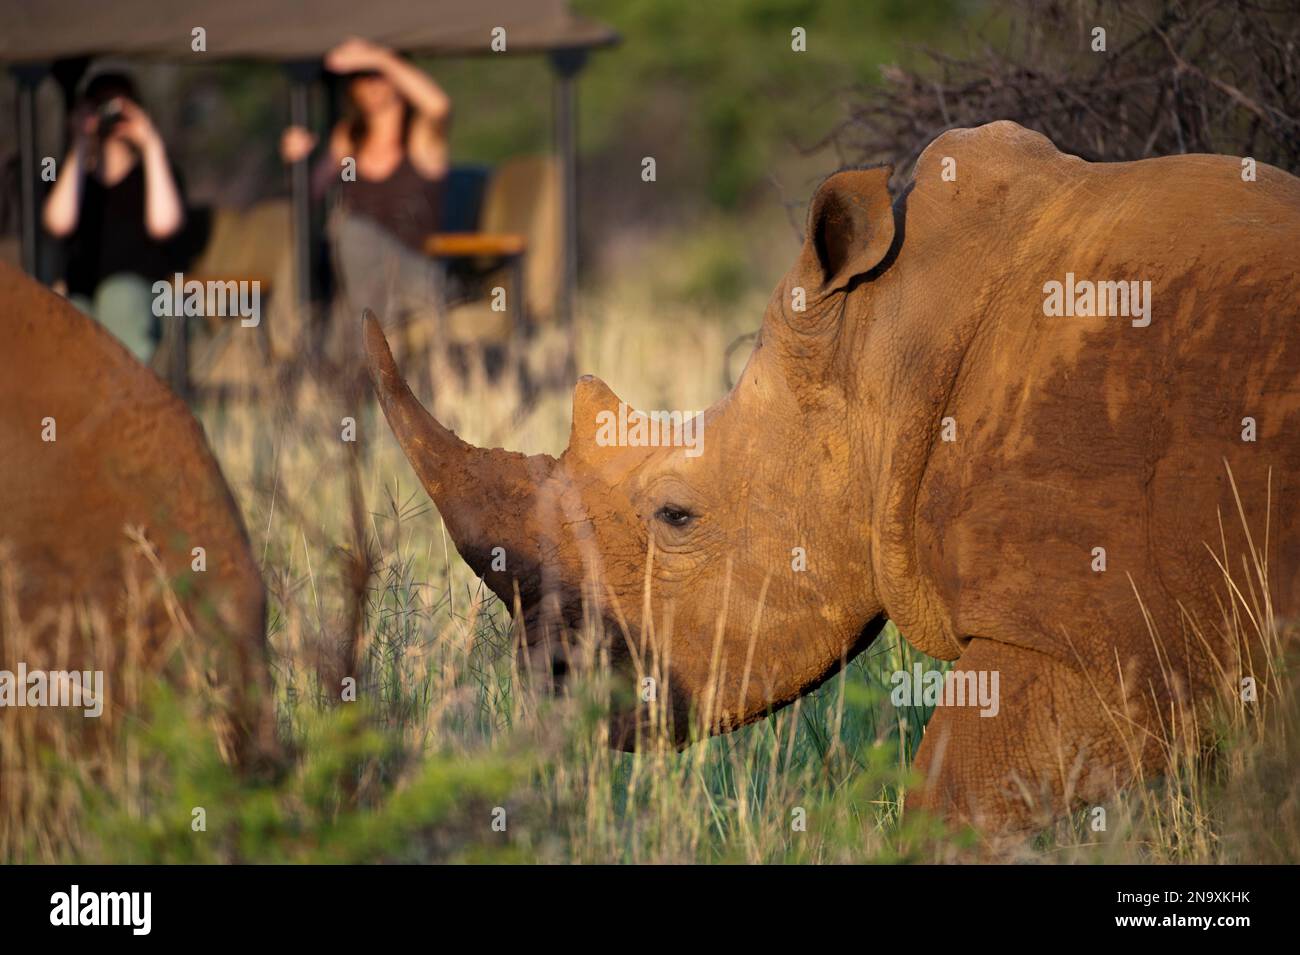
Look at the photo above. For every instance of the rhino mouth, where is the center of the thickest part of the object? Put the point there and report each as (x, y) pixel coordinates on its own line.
(578, 651)
(555, 648)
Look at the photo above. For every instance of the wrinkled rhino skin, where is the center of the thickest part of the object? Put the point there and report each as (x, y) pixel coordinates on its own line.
(1071, 433)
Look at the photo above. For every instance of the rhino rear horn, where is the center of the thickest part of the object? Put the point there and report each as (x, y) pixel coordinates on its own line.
(592, 399)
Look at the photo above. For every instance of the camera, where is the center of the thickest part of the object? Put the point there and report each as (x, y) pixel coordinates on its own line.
(109, 114)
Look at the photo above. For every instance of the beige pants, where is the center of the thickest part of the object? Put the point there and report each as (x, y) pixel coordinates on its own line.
(374, 270)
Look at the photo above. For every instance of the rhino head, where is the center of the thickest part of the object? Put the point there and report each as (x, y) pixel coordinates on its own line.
(738, 571)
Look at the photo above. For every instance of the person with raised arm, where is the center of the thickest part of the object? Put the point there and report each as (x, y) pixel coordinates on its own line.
(384, 171)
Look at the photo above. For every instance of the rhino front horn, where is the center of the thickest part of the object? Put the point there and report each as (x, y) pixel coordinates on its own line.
(486, 497)
(436, 454)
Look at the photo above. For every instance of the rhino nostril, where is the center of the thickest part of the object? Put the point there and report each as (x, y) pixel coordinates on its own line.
(559, 668)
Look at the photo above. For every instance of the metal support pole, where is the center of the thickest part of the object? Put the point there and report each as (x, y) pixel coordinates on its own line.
(517, 349)
(28, 78)
(567, 64)
(176, 341)
(301, 78)
(68, 74)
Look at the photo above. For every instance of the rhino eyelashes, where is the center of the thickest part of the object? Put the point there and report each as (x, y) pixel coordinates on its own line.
(674, 516)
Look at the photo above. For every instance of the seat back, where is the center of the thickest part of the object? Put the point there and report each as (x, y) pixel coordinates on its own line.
(247, 244)
(253, 244)
(523, 197)
(463, 199)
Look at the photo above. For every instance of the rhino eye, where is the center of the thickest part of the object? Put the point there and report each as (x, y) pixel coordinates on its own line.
(674, 516)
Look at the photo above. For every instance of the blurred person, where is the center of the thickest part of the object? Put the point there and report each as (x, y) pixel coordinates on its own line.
(384, 172)
(117, 204)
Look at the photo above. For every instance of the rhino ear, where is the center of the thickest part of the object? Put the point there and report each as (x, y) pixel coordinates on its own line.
(850, 227)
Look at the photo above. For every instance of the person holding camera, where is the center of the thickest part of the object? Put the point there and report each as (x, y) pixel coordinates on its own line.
(117, 204)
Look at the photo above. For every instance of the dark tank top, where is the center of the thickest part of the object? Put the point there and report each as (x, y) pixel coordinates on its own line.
(406, 204)
(111, 236)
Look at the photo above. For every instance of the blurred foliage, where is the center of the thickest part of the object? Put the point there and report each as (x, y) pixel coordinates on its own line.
(320, 809)
(715, 91)
(1104, 80)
